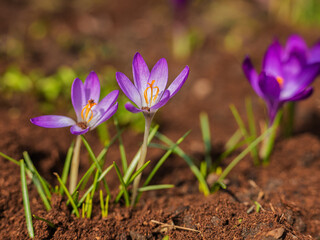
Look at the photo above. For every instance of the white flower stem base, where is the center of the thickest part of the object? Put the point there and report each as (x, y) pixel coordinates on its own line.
(75, 165)
(148, 119)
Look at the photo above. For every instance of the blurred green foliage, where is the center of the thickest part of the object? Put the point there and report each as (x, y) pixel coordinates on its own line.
(305, 12)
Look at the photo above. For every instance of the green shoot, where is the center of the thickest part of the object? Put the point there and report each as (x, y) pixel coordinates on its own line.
(131, 180)
(123, 185)
(103, 174)
(248, 137)
(121, 148)
(104, 206)
(101, 155)
(38, 181)
(66, 166)
(164, 158)
(268, 143)
(91, 154)
(26, 202)
(251, 120)
(136, 158)
(241, 156)
(52, 225)
(189, 161)
(205, 130)
(74, 206)
(9, 158)
(155, 187)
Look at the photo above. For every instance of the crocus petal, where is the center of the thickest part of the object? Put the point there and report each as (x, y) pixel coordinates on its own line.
(251, 75)
(78, 97)
(76, 130)
(302, 95)
(272, 60)
(270, 89)
(269, 86)
(295, 44)
(107, 101)
(314, 54)
(92, 87)
(108, 114)
(159, 73)
(178, 82)
(128, 88)
(132, 108)
(303, 80)
(165, 98)
(140, 72)
(53, 121)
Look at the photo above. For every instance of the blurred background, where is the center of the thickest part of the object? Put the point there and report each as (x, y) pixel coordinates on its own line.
(44, 45)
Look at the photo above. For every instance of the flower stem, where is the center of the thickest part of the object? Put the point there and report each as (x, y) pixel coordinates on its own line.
(148, 119)
(75, 165)
(268, 142)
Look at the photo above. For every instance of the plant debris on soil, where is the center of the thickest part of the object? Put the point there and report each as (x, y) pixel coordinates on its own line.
(278, 201)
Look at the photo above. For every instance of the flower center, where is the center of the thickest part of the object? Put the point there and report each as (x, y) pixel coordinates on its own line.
(86, 111)
(153, 96)
(280, 81)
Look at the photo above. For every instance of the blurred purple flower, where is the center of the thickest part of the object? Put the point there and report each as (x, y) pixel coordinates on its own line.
(149, 91)
(286, 75)
(89, 112)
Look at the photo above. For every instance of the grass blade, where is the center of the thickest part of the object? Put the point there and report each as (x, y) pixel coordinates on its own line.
(52, 225)
(40, 184)
(135, 160)
(9, 158)
(125, 191)
(131, 180)
(137, 173)
(93, 157)
(189, 161)
(155, 187)
(251, 120)
(243, 154)
(234, 139)
(121, 148)
(25, 198)
(66, 167)
(102, 175)
(254, 151)
(164, 158)
(205, 130)
(74, 206)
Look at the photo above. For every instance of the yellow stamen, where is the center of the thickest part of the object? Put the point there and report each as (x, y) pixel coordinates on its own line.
(280, 81)
(87, 109)
(151, 87)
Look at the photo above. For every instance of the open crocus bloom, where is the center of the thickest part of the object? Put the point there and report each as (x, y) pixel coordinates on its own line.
(85, 100)
(149, 91)
(287, 73)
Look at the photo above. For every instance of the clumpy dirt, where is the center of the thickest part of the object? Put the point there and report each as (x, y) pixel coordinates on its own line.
(288, 190)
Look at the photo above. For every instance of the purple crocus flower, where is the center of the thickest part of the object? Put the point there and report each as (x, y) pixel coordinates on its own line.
(149, 91)
(286, 75)
(85, 100)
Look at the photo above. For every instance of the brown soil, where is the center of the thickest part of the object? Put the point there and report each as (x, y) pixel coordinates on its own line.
(288, 189)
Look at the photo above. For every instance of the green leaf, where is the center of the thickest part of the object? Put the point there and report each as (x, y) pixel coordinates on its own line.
(40, 184)
(136, 158)
(125, 191)
(66, 166)
(155, 187)
(121, 148)
(189, 161)
(25, 198)
(74, 206)
(205, 130)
